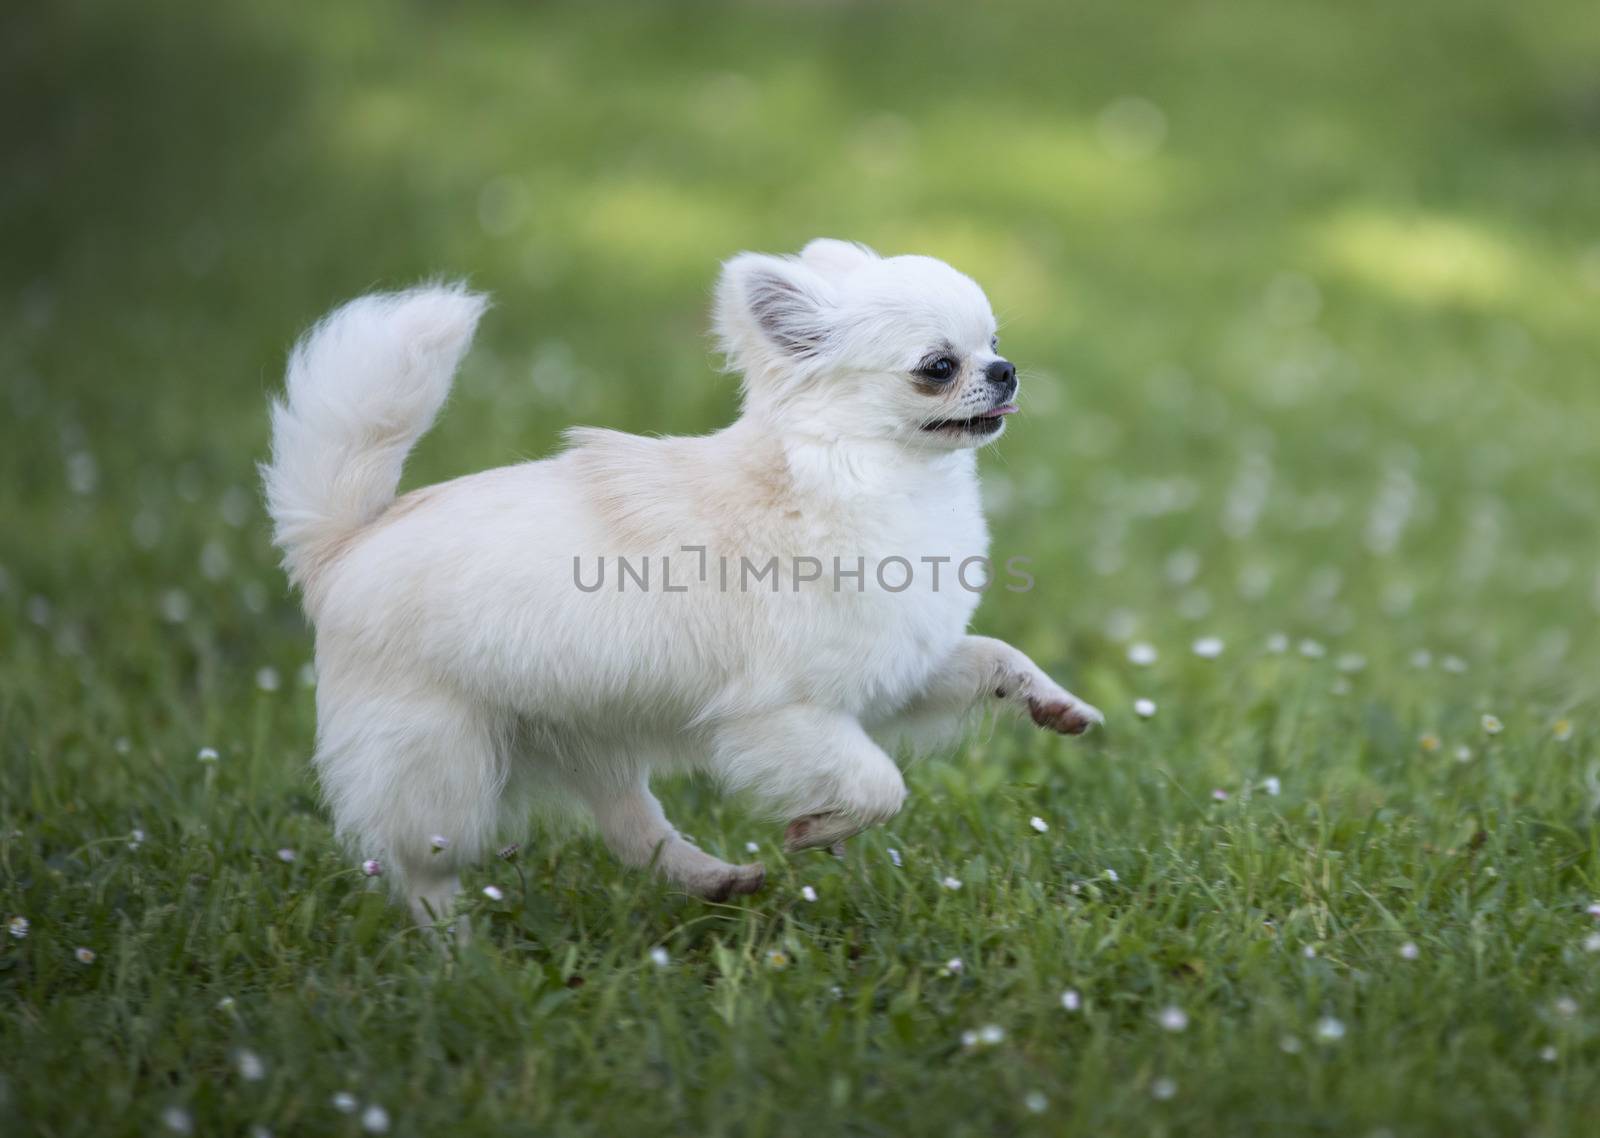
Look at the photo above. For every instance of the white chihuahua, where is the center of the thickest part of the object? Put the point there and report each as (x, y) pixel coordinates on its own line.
(792, 636)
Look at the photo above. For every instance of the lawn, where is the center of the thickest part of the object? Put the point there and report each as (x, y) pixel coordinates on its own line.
(1307, 303)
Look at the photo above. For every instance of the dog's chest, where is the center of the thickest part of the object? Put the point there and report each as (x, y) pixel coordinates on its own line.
(899, 587)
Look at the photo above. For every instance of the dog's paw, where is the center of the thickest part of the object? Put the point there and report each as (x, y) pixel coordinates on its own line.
(1064, 713)
(821, 831)
(735, 881)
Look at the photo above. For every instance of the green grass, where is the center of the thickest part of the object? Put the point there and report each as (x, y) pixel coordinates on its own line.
(1322, 363)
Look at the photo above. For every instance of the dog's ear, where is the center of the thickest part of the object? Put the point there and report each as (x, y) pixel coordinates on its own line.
(831, 257)
(770, 307)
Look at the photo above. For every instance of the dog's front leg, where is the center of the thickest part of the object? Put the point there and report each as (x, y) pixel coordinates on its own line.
(813, 765)
(981, 668)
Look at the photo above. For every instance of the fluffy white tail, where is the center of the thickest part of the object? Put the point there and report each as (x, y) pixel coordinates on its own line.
(363, 386)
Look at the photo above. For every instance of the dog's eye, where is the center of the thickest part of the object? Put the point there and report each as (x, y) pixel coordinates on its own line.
(994, 343)
(940, 369)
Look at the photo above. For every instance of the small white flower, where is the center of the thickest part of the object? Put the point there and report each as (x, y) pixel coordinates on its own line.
(177, 1120)
(84, 955)
(1309, 952)
(1566, 1007)
(372, 867)
(1312, 649)
(1219, 795)
(1594, 910)
(807, 893)
(951, 883)
(18, 927)
(1409, 951)
(1453, 664)
(1034, 1102)
(251, 1068)
(1491, 725)
(439, 843)
(1144, 708)
(1271, 785)
(752, 847)
(286, 855)
(1163, 1090)
(1071, 1000)
(208, 755)
(894, 856)
(1591, 943)
(1561, 730)
(1549, 1054)
(777, 960)
(226, 1004)
(1173, 1018)
(1111, 875)
(991, 1035)
(1207, 647)
(135, 839)
(1351, 662)
(267, 679)
(954, 966)
(1463, 754)
(1329, 1030)
(494, 893)
(1277, 644)
(344, 1102)
(659, 957)
(1039, 824)
(1142, 654)
(375, 1120)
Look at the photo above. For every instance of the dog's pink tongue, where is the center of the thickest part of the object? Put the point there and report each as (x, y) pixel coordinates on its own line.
(1003, 409)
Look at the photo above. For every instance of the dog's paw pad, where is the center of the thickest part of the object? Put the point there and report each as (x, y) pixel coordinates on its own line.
(737, 881)
(801, 833)
(1067, 716)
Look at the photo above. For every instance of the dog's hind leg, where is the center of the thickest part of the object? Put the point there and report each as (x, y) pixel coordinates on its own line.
(635, 828)
(414, 781)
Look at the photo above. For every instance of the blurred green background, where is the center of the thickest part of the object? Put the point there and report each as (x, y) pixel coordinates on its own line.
(1307, 302)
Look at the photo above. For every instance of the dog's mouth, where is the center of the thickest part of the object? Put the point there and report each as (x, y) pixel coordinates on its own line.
(987, 423)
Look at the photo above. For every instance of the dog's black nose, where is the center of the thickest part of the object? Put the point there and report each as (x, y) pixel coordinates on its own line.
(1001, 374)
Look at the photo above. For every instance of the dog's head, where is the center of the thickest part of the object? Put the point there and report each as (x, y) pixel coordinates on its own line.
(842, 343)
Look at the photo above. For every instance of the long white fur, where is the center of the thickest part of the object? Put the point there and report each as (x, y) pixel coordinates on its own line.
(461, 671)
